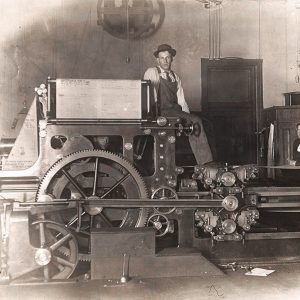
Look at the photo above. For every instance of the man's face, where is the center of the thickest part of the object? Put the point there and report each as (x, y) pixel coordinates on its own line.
(298, 131)
(164, 60)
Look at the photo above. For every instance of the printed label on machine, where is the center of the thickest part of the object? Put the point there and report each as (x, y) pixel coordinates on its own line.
(98, 98)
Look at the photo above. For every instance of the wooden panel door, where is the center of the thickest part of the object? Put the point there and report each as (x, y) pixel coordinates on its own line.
(232, 101)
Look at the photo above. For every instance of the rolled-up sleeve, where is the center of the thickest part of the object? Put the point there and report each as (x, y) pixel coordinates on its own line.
(180, 96)
(152, 75)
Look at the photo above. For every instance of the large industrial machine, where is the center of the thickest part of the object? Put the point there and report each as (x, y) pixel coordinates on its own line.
(107, 180)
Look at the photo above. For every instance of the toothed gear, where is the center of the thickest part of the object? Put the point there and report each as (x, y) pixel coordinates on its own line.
(95, 172)
(84, 257)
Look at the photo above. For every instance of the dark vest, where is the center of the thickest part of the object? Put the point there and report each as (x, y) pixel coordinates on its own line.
(167, 94)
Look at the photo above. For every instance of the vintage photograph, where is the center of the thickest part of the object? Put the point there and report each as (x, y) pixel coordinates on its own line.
(149, 149)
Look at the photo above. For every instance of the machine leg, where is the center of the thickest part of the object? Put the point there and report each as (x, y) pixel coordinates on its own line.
(5, 212)
(186, 228)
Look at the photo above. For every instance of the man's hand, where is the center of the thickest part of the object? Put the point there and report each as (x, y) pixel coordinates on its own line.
(291, 162)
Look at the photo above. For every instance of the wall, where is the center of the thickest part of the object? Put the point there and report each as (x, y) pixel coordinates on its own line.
(61, 38)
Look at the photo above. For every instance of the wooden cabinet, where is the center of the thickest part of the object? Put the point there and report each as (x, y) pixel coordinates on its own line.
(284, 119)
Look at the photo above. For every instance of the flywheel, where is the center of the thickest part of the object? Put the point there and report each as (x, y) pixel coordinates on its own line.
(92, 175)
(51, 239)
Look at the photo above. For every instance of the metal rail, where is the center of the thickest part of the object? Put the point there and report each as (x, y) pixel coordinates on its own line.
(137, 203)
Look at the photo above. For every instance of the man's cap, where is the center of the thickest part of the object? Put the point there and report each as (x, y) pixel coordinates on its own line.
(164, 47)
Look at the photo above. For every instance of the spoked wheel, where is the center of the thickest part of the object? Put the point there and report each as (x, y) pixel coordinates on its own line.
(56, 250)
(164, 193)
(92, 175)
(160, 223)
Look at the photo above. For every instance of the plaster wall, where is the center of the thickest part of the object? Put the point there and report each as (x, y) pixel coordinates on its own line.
(61, 38)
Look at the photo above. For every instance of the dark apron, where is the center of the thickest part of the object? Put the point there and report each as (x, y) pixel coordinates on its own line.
(167, 95)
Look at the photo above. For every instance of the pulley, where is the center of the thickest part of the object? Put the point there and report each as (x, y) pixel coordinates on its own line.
(228, 226)
(160, 223)
(230, 203)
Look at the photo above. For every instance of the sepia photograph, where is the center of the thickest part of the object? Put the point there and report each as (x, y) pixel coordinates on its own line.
(149, 149)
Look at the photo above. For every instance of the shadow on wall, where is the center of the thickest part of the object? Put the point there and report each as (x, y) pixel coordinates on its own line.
(66, 42)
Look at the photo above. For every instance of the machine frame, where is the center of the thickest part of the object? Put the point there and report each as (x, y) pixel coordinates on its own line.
(188, 204)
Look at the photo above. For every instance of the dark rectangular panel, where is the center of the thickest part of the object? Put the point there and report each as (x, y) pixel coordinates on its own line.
(232, 102)
(228, 85)
(115, 242)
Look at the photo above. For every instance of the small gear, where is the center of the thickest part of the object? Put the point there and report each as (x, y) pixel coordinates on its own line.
(160, 223)
(164, 193)
(85, 257)
(65, 251)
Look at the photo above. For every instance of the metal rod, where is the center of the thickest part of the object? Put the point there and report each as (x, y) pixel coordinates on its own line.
(18, 189)
(165, 127)
(97, 121)
(48, 96)
(105, 219)
(219, 29)
(278, 205)
(24, 179)
(210, 33)
(215, 32)
(76, 218)
(148, 99)
(115, 185)
(79, 215)
(124, 260)
(95, 176)
(42, 234)
(272, 235)
(136, 203)
(75, 184)
(124, 276)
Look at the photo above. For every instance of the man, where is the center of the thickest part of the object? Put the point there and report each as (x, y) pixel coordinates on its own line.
(168, 92)
(296, 148)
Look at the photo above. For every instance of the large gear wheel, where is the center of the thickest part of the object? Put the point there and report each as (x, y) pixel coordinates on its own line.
(92, 175)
